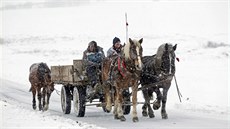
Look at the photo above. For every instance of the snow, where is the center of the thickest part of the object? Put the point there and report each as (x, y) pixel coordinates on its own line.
(58, 35)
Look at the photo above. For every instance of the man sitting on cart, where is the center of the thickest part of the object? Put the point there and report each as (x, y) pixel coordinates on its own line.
(92, 59)
(113, 53)
(115, 49)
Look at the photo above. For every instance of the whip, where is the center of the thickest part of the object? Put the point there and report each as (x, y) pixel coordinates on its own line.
(178, 91)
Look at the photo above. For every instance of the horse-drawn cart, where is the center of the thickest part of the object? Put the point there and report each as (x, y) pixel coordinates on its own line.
(76, 87)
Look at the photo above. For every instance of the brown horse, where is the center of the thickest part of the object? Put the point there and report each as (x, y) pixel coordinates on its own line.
(40, 79)
(126, 71)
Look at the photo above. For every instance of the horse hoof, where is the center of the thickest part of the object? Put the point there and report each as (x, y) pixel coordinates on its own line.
(122, 118)
(34, 107)
(144, 113)
(135, 119)
(151, 115)
(45, 108)
(156, 106)
(40, 108)
(108, 109)
(164, 116)
(116, 117)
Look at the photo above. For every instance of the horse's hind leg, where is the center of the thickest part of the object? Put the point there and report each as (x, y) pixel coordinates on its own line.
(45, 99)
(39, 99)
(107, 90)
(163, 109)
(34, 95)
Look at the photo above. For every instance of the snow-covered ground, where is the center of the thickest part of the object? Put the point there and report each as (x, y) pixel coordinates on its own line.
(59, 35)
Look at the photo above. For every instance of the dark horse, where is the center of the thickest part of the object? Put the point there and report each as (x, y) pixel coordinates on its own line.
(158, 72)
(126, 71)
(40, 79)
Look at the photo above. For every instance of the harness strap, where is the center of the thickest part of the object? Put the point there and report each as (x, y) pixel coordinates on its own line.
(121, 66)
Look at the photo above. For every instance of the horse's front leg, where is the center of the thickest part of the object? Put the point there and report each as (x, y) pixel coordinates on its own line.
(119, 96)
(147, 105)
(144, 107)
(164, 99)
(157, 103)
(115, 110)
(134, 100)
(34, 95)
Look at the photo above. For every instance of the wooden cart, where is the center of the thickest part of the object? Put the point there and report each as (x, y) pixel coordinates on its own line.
(76, 88)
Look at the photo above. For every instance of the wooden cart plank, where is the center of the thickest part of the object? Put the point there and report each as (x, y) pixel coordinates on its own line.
(62, 73)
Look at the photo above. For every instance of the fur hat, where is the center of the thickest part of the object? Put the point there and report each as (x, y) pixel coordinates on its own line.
(115, 40)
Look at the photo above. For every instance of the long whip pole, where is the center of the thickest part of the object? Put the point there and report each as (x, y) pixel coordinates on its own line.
(178, 91)
(126, 25)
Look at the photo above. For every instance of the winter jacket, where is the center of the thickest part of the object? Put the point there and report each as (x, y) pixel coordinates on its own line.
(112, 52)
(93, 58)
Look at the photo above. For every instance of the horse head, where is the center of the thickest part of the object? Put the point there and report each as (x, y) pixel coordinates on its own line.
(165, 58)
(50, 87)
(133, 52)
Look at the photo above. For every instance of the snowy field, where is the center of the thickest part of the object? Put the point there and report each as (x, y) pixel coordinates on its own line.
(58, 35)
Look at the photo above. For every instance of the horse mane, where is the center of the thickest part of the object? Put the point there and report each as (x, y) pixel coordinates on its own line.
(148, 61)
(127, 48)
(159, 54)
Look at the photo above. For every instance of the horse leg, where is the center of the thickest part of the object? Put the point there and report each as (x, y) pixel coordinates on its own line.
(115, 112)
(164, 99)
(119, 99)
(145, 106)
(150, 110)
(46, 107)
(108, 107)
(157, 103)
(45, 99)
(144, 109)
(34, 94)
(39, 99)
(134, 100)
(106, 85)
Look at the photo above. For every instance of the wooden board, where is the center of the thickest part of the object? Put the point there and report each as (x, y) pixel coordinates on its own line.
(60, 74)
(79, 71)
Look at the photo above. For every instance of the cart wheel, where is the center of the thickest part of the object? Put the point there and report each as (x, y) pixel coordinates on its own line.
(65, 100)
(126, 108)
(79, 94)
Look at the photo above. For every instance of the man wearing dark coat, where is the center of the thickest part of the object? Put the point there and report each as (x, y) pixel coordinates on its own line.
(92, 59)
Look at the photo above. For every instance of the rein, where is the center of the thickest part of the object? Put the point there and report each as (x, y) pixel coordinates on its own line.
(149, 85)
